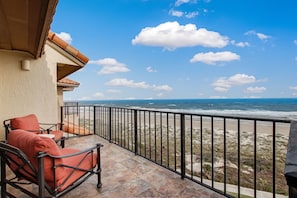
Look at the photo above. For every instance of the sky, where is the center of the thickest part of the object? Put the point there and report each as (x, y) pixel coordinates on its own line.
(177, 49)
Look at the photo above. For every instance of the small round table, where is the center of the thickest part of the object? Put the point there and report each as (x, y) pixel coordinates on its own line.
(52, 136)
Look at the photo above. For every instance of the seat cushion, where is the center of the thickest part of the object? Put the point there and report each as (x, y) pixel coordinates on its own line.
(81, 161)
(29, 122)
(31, 144)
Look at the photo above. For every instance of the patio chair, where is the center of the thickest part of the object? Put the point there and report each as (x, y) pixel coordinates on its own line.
(30, 123)
(58, 170)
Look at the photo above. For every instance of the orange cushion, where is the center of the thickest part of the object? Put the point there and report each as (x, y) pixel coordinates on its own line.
(29, 122)
(75, 129)
(88, 163)
(31, 144)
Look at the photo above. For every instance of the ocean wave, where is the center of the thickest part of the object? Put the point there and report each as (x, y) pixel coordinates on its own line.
(243, 113)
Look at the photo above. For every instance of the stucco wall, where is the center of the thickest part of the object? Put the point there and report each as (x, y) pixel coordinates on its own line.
(26, 92)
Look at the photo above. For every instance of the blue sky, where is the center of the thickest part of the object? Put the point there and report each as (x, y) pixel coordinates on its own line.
(159, 49)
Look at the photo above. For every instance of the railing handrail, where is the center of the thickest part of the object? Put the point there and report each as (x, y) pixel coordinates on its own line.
(243, 117)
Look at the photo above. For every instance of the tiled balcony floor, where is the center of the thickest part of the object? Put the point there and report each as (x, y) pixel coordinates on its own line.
(127, 175)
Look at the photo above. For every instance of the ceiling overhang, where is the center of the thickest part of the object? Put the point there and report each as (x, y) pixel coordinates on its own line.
(64, 70)
(24, 25)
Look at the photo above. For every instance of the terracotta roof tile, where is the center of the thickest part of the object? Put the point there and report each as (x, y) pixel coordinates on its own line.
(68, 81)
(68, 48)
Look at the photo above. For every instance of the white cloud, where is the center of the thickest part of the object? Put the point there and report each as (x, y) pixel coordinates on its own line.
(150, 69)
(172, 35)
(98, 95)
(143, 85)
(188, 15)
(110, 66)
(295, 42)
(161, 88)
(191, 15)
(261, 36)
(255, 89)
(65, 36)
(211, 58)
(176, 13)
(221, 89)
(223, 84)
(180, 2)
(240, 44)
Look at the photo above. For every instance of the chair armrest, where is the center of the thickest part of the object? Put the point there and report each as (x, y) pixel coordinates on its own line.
(43, 154)
(51, 125)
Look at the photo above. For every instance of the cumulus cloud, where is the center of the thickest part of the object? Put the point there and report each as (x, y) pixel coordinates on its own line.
(65, 36)
(223, 84)
(110, 66)
(123, 82)
(150, 69)
(255, 89)
(295, 42)
(212, 58)
(261, 36)
(172, 35)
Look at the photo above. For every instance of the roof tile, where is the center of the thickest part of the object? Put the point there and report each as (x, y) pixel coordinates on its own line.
(68, 48)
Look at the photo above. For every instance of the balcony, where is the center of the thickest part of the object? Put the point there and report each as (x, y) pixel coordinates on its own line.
(233, 156)
(151, 153)
(125, 174)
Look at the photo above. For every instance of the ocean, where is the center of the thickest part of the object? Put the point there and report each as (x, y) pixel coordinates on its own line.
(283, 108)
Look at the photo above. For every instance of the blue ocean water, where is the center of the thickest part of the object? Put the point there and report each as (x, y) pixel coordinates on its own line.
(272, 107)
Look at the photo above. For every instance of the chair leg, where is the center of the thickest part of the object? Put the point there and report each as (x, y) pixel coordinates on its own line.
(3, 179)
(41, 183)
(63, 142)
(99, 184)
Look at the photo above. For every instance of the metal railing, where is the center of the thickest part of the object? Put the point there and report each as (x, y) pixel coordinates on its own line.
(231, 155)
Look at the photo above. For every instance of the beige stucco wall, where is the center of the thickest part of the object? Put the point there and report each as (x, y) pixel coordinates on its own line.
(35, 91)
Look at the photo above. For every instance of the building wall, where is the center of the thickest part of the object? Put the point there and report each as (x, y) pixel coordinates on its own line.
(25, 92)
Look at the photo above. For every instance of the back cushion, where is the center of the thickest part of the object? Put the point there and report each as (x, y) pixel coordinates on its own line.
(29, 122)
(31, 144)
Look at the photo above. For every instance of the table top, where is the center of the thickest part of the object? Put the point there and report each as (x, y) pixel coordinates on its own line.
(52, 136)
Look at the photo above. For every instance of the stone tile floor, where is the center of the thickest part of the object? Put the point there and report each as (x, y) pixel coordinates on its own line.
(127, 175)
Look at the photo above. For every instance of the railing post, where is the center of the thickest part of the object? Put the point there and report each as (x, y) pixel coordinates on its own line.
(94, 117)
(182, 145)
(109, 124)
(135, 132)
(61, 117)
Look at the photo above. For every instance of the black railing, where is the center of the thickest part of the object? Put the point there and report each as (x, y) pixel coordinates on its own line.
(231, 155)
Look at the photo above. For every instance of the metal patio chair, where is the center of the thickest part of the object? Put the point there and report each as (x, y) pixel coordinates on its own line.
(30, 123)
(57, 170)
